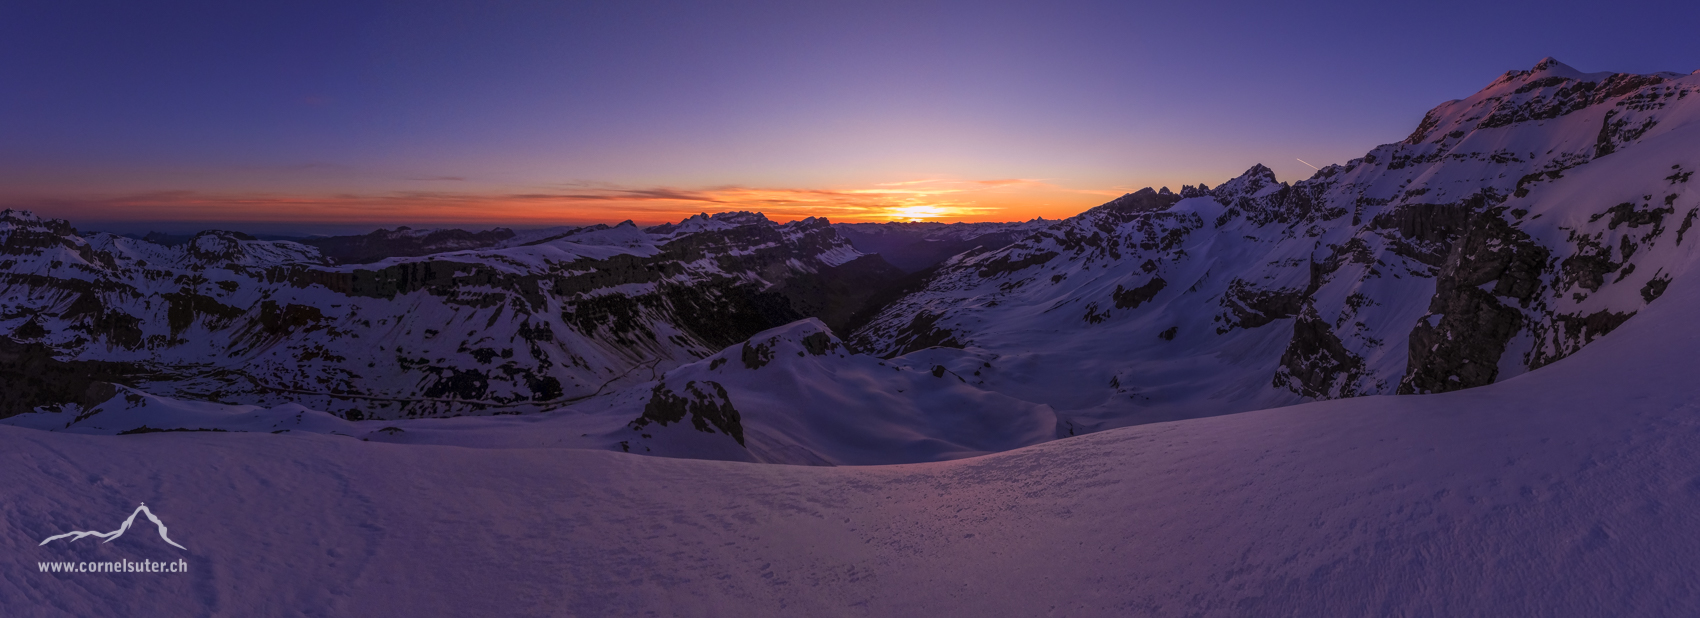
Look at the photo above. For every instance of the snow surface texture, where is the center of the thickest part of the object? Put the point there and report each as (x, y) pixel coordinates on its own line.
(1570, 491)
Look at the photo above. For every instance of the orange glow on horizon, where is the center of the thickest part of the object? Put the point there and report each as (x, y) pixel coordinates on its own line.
(930, 199)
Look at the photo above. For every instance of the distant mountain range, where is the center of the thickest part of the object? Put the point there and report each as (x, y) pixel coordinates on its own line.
(1509, 230)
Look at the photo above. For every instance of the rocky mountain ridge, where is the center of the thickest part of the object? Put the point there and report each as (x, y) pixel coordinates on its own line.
(227, 317)
(1510, 229)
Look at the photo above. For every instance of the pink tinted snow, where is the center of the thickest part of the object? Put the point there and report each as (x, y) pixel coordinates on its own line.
(1574, 490)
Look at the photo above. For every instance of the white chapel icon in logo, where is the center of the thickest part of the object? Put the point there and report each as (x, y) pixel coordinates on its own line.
(109, 536)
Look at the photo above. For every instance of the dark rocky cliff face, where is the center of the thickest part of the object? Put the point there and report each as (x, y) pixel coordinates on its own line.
(31, 378)
(1476, 320)
(704, 403)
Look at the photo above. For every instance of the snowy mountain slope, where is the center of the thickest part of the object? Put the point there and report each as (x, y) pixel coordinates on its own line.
(225, 317)
(1512, 228)
(1568, 491)
(792, 394)
(804, 398)
(129, 411)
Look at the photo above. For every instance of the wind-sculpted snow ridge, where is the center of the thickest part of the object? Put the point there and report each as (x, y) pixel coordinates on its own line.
(1568, 491)
(1509, 230)
(533, 322)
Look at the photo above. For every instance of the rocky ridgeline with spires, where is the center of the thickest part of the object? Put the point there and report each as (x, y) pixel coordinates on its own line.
(1510, 229)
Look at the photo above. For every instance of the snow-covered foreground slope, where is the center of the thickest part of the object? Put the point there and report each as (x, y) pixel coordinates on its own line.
(1572, 490)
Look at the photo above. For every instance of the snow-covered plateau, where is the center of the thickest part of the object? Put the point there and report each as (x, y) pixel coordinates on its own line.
(1453, 377)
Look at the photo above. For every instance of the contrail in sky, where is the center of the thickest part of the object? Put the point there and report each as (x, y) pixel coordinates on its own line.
(1311, 166)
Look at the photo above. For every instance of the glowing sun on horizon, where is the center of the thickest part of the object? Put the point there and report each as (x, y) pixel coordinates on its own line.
(909, 213)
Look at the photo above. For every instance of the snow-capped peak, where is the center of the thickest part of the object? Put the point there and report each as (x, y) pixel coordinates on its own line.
(1551, 67)
(18, 216)
(1549, 90)
(23, 219)
(1254, 182)
(1143, 200)
(808, 223)
(1548, 68)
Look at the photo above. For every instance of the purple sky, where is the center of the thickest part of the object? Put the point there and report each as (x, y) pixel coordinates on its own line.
(311, 116)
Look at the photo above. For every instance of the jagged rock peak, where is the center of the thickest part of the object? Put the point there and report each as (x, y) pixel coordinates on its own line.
(706, 222)
(20, 216)
(1258, 170)
(16, 223)
(1254, 181)
(1548, 90)
(1547, 67)
(1549, 71)
(740, 217)
(809, 223)
(217, 245)
(1551, 65)
(16, 219)
(1143, 200)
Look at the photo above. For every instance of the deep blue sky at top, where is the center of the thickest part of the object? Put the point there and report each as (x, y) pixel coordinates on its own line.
(100, 100)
